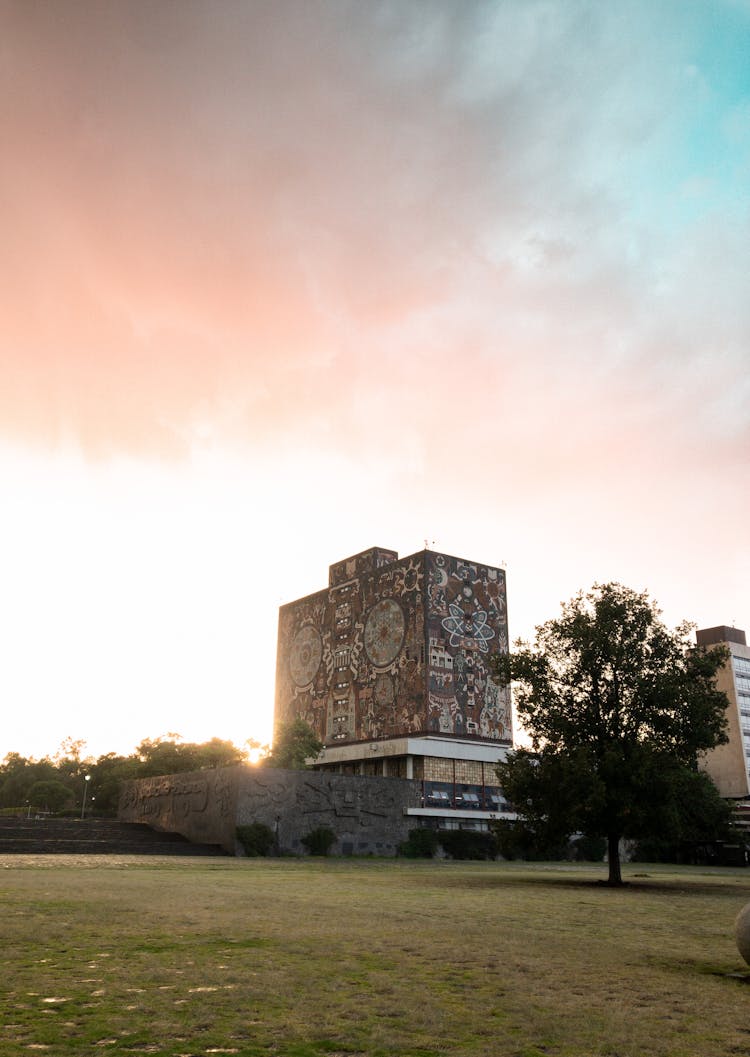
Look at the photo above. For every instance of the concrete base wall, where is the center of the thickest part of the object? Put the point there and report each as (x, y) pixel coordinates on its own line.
(368, 815)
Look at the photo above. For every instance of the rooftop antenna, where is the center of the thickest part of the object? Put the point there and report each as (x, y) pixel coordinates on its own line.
(428, 544)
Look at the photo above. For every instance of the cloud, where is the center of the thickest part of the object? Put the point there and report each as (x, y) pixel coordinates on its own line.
(253, 221)
(283, 281)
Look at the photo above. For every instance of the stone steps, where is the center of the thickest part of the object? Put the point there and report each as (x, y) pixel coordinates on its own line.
(57, 836)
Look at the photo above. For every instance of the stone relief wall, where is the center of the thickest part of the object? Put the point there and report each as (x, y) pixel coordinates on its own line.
(201, 805)
(366, 814)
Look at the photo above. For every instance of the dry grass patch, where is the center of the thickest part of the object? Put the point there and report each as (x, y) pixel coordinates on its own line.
(300, 959)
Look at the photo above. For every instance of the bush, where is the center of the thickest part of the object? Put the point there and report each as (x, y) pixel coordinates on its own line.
(256, 839)
(467, 844)
(422, 844)
(516, 840)
(319, 841)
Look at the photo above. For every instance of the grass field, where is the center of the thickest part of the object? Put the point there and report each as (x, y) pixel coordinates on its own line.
(302, 958)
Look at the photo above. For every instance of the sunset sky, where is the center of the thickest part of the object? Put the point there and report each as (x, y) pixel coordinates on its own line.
(281, 281)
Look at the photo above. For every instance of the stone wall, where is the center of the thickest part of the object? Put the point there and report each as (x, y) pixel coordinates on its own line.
(367, 814)
(201, 805)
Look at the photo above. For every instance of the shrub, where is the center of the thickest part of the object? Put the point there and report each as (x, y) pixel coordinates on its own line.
(256, 839)
(319, 841)
(467, 844)
(422, 844)
(516, 840)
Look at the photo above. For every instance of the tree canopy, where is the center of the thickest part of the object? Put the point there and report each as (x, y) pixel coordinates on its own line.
(293, 745)
(618, 708)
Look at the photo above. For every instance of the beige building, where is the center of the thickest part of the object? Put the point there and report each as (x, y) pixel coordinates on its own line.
(729, 765)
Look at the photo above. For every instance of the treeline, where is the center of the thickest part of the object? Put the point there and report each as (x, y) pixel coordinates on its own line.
(69, 782)
(60, 783)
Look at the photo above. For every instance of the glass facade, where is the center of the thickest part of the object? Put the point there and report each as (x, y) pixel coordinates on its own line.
(458, 796)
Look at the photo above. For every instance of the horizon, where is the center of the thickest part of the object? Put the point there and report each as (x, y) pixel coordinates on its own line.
(284, 283)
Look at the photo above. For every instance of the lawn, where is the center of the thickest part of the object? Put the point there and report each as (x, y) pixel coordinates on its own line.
(302, 958)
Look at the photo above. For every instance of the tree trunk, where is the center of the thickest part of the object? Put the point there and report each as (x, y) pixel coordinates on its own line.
(613, 858)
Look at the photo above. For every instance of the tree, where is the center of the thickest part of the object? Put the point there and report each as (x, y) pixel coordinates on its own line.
(50, 795)
(618, 708)
(217, 753)
(167, 754)
(108, 773)
(18, 774)
(294, 744)
(69, 759)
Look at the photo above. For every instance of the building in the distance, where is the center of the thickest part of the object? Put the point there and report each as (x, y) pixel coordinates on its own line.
(729, 765)
(391, 667)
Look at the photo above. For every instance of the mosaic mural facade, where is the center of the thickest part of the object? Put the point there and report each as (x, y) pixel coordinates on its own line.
(396, 647)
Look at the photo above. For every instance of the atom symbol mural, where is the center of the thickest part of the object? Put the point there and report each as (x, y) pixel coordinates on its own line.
(474, 626)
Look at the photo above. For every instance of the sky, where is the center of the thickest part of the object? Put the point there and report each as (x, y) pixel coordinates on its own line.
(282, 281)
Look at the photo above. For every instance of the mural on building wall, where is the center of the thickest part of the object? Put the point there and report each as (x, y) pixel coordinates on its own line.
(353, 659)
(466, 624)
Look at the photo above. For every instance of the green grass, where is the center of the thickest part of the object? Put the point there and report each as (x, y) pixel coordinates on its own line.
(327, 958)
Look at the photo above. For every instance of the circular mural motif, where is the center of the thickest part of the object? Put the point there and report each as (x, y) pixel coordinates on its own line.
(382, 692)
(305, 655)
(384, 632)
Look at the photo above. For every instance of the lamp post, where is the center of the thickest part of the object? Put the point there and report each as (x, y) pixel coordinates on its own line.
(87, 779)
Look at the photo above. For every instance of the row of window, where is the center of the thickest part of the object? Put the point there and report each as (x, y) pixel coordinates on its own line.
(461, 797)
(477, 824)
